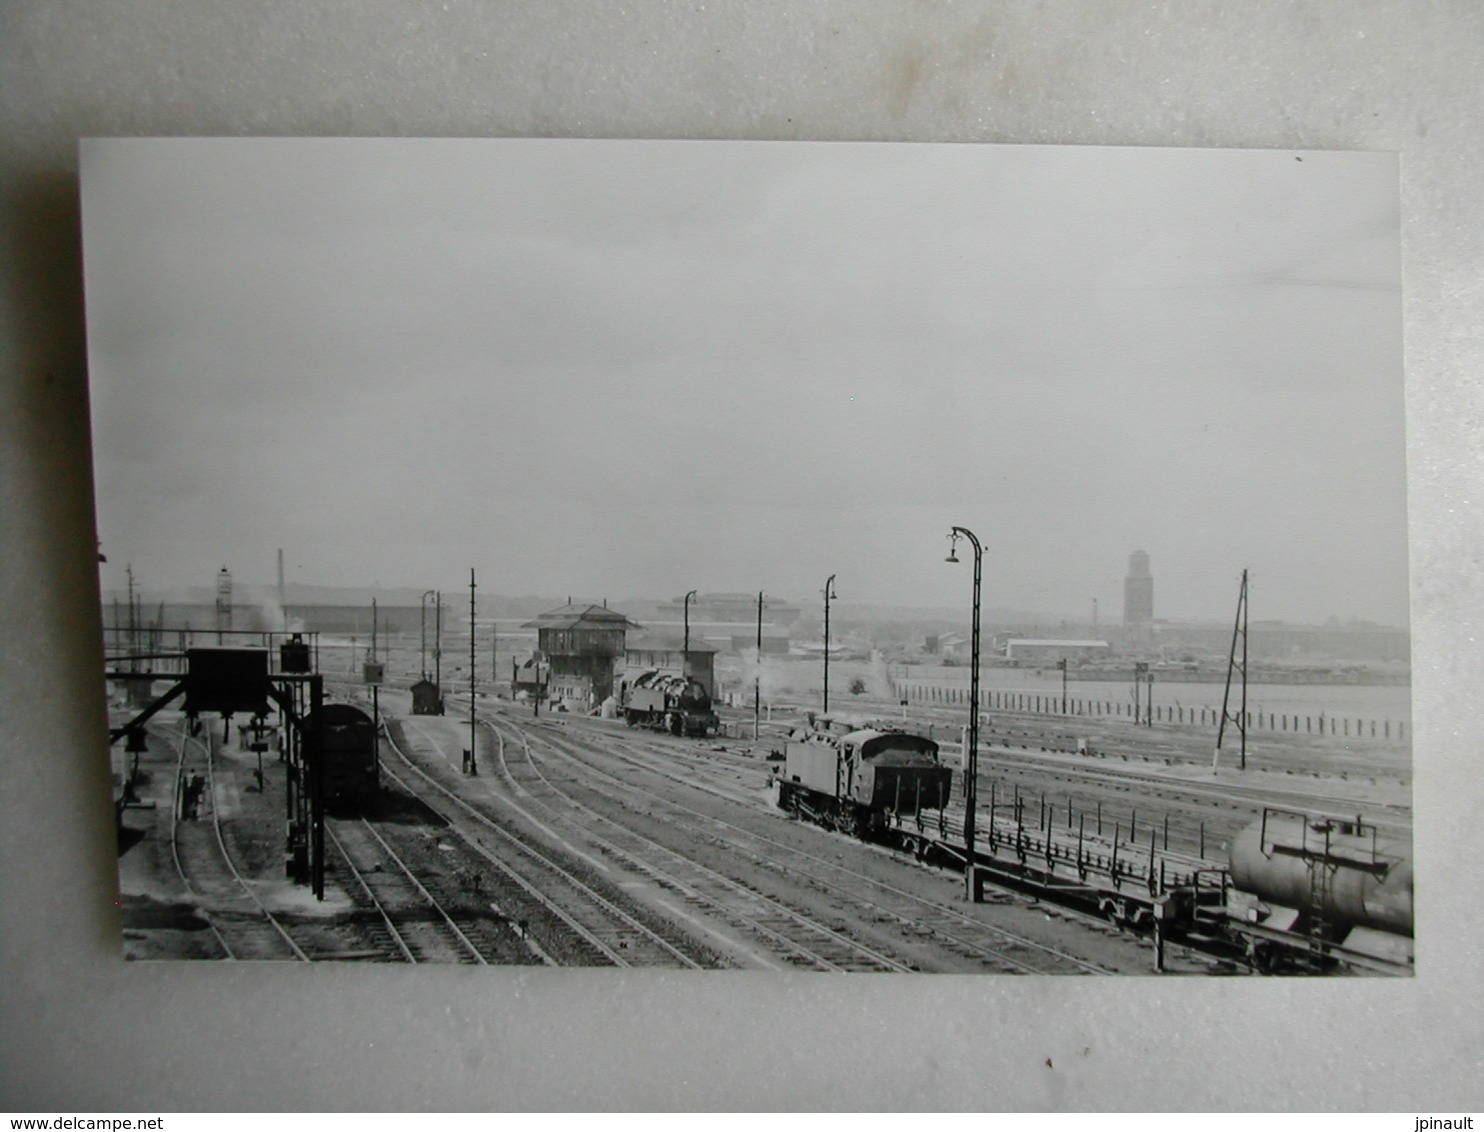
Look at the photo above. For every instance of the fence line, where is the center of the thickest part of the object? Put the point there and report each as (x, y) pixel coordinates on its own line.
(1037, 703)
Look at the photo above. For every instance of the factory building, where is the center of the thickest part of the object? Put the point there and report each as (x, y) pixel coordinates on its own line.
(581, 645)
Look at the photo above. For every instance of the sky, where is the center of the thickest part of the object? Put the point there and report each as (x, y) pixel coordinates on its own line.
(617, 368)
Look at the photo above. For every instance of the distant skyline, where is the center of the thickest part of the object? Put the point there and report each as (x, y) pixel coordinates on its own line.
(647, 367)
(248, 592)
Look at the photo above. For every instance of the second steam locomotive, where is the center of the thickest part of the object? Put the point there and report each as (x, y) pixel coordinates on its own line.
(668, 701)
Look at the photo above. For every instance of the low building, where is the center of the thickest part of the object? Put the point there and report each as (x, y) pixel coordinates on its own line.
(1032, 650)
(427, 698)
(954, 645)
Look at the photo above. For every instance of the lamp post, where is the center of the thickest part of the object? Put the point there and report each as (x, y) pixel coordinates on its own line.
(685, 612)
(971, 754)
(829, 592)
(1062, 664)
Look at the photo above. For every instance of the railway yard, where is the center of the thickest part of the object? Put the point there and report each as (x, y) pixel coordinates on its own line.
(574, 840)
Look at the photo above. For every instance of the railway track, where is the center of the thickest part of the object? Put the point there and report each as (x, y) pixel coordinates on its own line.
(1183, 744)
(798, 937)
(1162, 802)
(239, 921)
(1256, 794)
(412, 923)
(880, 901)
(583, 925)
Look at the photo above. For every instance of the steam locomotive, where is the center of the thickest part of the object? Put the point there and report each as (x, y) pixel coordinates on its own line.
(859, 781)
(668, 701)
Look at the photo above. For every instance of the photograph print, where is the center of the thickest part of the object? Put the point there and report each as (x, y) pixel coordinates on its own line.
(779, 556)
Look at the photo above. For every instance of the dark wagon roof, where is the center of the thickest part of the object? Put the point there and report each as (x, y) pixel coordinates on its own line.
(861, 738)
(341, 715)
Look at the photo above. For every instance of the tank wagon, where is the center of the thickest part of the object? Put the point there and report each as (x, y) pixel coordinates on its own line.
(352, 770)
(1320, 885)
(668, 701)
(863, 783)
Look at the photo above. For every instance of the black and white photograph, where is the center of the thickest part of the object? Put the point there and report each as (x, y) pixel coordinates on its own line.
(753, 555)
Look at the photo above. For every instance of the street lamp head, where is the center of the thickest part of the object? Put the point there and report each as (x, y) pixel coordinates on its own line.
(952, 547)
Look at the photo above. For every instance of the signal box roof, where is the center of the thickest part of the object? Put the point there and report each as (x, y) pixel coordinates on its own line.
(583, 616)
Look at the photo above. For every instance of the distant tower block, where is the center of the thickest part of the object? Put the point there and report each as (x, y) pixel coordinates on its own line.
(1138, 591)
(224, 601)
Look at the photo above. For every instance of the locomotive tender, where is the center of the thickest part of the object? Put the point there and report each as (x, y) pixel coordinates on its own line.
(352, 770)
(859, 782)
(668, 701)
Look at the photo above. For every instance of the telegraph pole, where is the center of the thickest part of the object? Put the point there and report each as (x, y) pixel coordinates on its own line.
(422, 613)
(757, 677)
(473, 757)
(1238, 669)
(133, 626)
(829, 587)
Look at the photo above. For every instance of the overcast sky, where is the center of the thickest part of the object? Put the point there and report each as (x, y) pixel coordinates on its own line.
(639, 368)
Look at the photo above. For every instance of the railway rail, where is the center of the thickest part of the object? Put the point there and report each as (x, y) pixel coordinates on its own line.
(239, 921)
(881, 900)
(800, 938)
(414, 925)
(582, 773)
(605, 933)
